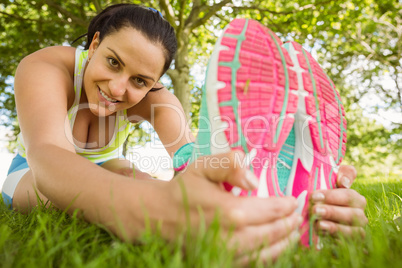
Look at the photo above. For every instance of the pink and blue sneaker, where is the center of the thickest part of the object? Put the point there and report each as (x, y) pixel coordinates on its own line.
(317, 143)
(249, 101)
(275, 103)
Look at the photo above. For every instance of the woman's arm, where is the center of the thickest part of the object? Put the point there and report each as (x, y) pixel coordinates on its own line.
(42, 85)
(165, 113)
(124, 205)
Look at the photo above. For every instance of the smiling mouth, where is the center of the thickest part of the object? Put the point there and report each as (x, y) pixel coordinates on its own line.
(107, 97)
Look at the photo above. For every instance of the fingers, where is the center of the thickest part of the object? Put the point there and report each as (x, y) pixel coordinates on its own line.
(344, 215)
(256, 221)
(273, 252)
(339, 210)
(272, 238)
(228, 167)
(252, 237)
(336, 229)
(339, 197)
(255, 211)
(346, 176)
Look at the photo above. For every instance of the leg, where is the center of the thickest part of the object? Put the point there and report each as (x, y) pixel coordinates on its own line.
(26, 195)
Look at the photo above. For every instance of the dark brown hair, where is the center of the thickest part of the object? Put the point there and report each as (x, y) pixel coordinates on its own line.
(147, 21)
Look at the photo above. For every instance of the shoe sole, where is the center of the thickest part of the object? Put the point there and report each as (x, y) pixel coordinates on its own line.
(320, 130)
(251, 100)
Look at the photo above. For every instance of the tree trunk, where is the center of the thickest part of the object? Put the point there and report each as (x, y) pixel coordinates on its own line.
(180, 75)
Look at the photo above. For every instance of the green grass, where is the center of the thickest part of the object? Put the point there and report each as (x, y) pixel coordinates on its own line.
(46, 238)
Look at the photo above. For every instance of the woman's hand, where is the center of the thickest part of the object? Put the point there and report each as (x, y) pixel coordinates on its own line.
(254, 223)
(340, 210)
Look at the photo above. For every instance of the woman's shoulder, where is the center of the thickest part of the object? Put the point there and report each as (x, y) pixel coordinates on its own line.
(153, 102)
(53, 52)
(58, 56)
(55, 65)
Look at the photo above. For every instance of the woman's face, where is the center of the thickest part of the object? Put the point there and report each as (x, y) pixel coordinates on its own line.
(121, 70)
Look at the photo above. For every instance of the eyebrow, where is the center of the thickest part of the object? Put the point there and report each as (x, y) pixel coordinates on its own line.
(146, 77)
(122, 62)
(117, 56)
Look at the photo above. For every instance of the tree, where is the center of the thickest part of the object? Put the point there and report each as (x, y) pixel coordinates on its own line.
(366, 51)
(35, 24)
(340, 34)
(29, 26)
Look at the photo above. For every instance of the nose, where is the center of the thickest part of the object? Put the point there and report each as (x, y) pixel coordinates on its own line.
(118, 86)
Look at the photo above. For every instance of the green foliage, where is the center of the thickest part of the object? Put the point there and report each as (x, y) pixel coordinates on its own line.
(50, 238)
(27, 26)
(357, 42)
(371, 147)
(363, 52)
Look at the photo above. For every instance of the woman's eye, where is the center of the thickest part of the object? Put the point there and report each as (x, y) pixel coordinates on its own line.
(140, 81)
(113, 62)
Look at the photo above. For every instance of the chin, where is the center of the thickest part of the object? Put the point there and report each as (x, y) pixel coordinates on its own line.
(101, 111)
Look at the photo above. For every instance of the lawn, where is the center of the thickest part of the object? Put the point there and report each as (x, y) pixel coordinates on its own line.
(46, 238)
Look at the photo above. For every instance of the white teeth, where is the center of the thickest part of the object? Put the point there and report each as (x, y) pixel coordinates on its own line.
(106, 97)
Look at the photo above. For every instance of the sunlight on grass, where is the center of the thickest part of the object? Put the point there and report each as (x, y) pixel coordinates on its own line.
(49, 238)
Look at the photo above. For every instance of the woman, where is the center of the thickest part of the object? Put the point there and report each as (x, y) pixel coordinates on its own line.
(74, 108)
